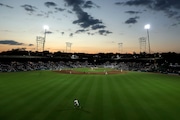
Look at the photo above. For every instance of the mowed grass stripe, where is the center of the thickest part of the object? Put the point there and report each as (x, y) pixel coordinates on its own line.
(81, 92)
(128, 96)
(46, 97)
(90, 98)
(83, 95)
(31, 98)
(24, 78)
(21, 91)
(167, 87)
(163, 101)
(90, 92)
(19, 88)
(166, 81)
(93, 100)
(65, 105)
(111, 105)
(98, 102)
(107, 111)
(155, 97)
(9, 82)
(140, 110)
(119, 100)
(145, 96)
(59, 99)
(156, 102)
(55, 100)
(27, 99)
(15, 88)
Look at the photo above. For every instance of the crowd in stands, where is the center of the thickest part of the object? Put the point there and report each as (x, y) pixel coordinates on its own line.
(29, 66)
(127, 66)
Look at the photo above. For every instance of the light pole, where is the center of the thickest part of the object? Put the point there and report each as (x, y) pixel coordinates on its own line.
(45, 31)
(147, 27)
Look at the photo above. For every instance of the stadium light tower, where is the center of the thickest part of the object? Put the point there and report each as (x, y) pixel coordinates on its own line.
(68, 45)
(147, 27)
(45, 31)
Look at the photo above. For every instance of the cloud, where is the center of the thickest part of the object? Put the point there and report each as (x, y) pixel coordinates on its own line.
(30, 44)
(13, 42)
(5, 31)
(133, 12)
(1, 4)
(69, 11)
(59, 9)
(171, 14)
(104, 32)
(135, 2)
(80, 31)
(90, 33)
(89, 4)
(95, 27)
(49, 32)
(71, 34)
(50, 4)
(62, 33)
(165, 4)
(10, 42)
(40, 15)
(9, 6)
(132, 20)
(84, 19)
(74, 2)
(29, 8)
(45, 14)
(170, 7)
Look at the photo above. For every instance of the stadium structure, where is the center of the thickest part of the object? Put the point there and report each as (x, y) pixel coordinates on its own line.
(162, 63)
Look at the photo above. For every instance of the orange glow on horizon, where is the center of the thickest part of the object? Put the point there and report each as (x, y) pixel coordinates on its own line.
(88, 50)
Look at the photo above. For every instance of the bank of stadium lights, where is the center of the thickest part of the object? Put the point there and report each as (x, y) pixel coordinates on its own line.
(147, 27)
(68, 45)
(46, 27)
(142, 41)
(120, 47)
(41, 40)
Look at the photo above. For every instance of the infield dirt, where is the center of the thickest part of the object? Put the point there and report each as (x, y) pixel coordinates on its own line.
(91, 73)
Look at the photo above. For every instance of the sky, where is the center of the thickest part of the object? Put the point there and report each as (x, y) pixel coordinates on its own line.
(91, 26)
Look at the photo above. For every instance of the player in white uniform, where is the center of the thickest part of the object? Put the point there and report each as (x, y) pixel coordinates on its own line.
(76, 104)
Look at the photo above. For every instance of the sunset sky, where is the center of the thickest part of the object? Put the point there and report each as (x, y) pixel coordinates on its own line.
(91, 26)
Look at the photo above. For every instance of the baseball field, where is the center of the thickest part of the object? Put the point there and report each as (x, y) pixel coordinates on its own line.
(49, 95)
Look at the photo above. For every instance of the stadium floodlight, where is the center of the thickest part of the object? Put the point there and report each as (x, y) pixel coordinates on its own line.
(147, 27)
(46, 27)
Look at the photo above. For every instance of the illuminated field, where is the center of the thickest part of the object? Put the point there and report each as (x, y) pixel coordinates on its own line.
(47, 95)
(93, 69)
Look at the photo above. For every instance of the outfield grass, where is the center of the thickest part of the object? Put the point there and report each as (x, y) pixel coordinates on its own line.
(47, 95)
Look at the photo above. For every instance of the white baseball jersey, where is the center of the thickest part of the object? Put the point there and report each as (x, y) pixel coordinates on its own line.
(76, 102)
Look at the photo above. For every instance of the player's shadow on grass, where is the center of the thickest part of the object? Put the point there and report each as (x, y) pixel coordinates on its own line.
(83, 110)
(75, 109)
